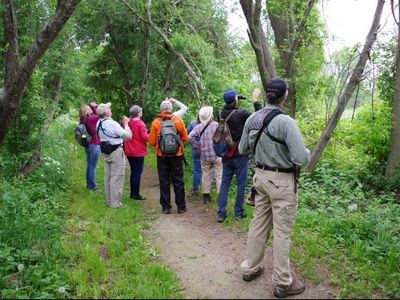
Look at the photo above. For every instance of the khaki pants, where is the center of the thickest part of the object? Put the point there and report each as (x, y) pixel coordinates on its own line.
(275, 208)
(206, 178)
(114, 169)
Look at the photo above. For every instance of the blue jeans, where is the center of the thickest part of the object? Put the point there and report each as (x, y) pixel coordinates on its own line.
(236, 165)
(137, 165)
(92, 158)
(196, 170)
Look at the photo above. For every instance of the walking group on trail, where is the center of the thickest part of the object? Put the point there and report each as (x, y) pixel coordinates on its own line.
(220, 149)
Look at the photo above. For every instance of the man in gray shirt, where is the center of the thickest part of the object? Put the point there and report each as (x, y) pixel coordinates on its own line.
(278, 149)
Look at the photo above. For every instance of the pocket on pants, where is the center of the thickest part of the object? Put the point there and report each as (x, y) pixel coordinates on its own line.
(279, 189)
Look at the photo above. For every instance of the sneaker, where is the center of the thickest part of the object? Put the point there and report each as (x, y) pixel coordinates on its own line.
(250, 277)
(195, 192)
(140, 197)
(242, 216)
(166, 211)
(206, 198)
(282, 291)
(95, 190)
(221, 219)
(181, 210)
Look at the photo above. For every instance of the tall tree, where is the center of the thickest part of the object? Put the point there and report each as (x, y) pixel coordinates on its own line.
(288, 20)
(17, 75)
(394, 155)
(353, 82)
(265, 62)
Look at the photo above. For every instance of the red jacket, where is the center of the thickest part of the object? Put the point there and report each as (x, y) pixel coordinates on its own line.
(136, 146)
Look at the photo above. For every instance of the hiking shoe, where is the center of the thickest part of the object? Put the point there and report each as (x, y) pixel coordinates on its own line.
(250, 201)
(250, 277)
(206, 198)
(195, 192)
(221, 219)
(140, 197)
(282, 291)
(181, 210)
(242, 216)
(166, 211)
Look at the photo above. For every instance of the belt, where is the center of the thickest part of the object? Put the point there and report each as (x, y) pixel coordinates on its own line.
(262, 167)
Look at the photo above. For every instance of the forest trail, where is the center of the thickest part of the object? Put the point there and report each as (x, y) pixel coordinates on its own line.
(206, 255)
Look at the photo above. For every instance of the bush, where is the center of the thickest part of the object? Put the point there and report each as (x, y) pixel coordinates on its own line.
(32, 218)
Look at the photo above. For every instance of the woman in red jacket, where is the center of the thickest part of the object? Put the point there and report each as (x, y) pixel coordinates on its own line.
(136, 149)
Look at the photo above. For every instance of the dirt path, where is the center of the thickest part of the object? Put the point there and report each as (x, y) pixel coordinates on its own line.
(204, 254)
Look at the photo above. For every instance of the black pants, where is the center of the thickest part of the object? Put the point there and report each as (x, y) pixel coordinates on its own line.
(170, 168)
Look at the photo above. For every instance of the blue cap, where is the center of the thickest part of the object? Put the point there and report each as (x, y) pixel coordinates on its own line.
(230, 96)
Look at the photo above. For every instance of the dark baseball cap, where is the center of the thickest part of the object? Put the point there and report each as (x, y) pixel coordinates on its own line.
(276, 88)
(230, 96)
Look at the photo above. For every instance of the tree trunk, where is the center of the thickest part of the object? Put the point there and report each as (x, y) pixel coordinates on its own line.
(169, 74)
(36, 158)
(265, 63)
(127, 85)
(288, 39)
(17, 76)
(146, 65)
(394, 154)
(350, 87)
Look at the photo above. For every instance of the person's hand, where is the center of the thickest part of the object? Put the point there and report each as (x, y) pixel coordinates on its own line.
(256, 93)
(93, 104)
(125, 120)
(172, 100)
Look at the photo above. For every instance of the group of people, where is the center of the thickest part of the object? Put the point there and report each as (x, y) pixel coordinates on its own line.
(272, 137)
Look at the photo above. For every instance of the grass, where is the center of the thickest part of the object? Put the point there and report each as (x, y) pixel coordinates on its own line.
(105, 252)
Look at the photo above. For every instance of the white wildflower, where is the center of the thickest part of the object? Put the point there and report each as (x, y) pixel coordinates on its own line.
(20, 267)
(352, 207)
(61, 290)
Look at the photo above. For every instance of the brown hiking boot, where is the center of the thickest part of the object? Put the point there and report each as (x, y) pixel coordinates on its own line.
(282, 291)
(250, 277)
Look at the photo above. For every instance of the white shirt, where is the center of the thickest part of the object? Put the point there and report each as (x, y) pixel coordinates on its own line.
(112, 132)
(183, 109)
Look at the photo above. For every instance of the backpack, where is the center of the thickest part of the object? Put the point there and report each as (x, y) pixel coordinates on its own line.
(168, 139)
(82, 136)
(222, 138)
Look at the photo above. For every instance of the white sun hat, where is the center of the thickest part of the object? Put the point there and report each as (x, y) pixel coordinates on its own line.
(205, 114)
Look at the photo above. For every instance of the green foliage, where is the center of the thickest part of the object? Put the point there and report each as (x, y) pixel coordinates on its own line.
(340, 221)
(104, 250)
(32, 217)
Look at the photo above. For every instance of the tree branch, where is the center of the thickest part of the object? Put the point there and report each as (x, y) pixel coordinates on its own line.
(65, 8)
(300, 29)
(11, 35)
(171, 47)
(350, 87)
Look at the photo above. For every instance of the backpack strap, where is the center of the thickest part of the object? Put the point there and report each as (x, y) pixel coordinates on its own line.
(268, 118)
(205, 127)
(227, 118)
(102, 129)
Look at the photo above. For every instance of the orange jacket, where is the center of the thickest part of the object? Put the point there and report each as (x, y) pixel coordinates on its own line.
(156, 128)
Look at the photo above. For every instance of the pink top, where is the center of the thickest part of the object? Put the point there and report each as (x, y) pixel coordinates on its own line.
(136, 146)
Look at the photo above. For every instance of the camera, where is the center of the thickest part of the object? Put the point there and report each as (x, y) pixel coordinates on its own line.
(242, 98)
